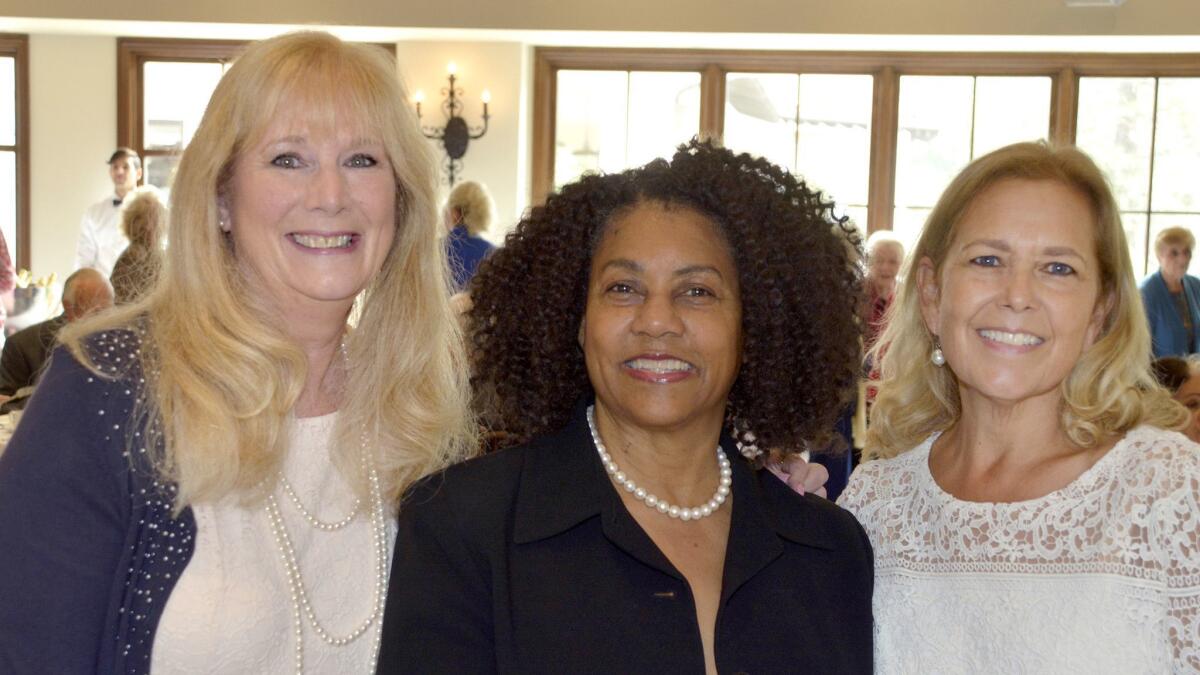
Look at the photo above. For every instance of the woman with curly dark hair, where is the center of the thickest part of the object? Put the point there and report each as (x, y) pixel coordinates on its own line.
(627, 328)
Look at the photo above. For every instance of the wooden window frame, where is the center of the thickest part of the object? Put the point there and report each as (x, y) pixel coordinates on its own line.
(132, 56)
(1064, 71)
(17, 46)
(134, 53)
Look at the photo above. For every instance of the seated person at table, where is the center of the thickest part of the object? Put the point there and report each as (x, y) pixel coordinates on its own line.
(85, 291)
(628, 332)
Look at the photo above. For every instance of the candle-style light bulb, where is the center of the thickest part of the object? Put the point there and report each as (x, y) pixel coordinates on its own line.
(486, 96)
(419, 97)
(452, 68)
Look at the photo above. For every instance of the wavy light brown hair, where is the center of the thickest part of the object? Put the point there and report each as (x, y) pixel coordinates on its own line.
(474, 205)
(1111, 388)
(797, 269)
(221, 377)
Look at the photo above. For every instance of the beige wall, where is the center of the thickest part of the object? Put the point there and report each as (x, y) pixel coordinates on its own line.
(73, 126)
(992, 17)
(499, 159)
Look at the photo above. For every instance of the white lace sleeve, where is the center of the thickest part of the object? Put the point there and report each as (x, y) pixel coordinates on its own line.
(1178, 521)
(853, 496)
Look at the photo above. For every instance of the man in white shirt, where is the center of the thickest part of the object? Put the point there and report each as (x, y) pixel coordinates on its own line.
(101, 240)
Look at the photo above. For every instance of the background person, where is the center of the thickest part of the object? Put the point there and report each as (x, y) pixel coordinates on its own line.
(885, 256)
(626, 327)
(85, 292)
(1172, 296)
(144, 222)
(1035, 513)
(204, 481)
(469, 212)
(100, 237)
(1181, 377)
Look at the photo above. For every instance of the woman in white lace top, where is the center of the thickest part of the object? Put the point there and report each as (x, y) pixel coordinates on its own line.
(1030, 508)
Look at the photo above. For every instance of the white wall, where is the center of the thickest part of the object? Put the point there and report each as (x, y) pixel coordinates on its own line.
(499, 160)
(72, 130)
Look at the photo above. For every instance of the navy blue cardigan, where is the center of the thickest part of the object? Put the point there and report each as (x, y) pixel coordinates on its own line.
(1166, 328)
(89, 552)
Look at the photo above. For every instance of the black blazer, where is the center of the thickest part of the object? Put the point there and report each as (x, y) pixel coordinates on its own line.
(526, 561)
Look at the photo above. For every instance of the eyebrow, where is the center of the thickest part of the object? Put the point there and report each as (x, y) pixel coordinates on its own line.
(297, 138)
(1001, 245)
(634, 266)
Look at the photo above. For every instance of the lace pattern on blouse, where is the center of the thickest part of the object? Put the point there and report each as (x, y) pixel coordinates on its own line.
(1102, 575)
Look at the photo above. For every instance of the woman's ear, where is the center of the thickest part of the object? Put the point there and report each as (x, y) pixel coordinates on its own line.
(930, 293)
(224, 221)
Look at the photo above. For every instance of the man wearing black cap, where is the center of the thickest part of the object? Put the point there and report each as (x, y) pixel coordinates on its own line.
(101, 240)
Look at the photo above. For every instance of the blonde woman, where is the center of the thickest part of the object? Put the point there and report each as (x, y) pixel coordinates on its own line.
(205, 481)
(144, 222)
(469, 213)
(1032, 509)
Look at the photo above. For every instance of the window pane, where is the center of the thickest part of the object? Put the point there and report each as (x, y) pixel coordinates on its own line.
(8, 201)
(1160, 222)
(1114, 126)
(664, 111)
(1135, 235)
(833, 149)
(590, 126)
(160, 169)
(934, 139)
(817, 126)
(8, 101)
(1009, 110)
(858, 218)
(613, 120)
(760, 116)
(1177, 146)
(907, 224)
(175, 97)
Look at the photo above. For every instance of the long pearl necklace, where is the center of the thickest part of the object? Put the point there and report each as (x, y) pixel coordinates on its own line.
(301, 604)
(312, 519)
(661, 505)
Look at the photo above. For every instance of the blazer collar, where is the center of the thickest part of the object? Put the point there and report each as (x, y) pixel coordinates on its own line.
(564, 484)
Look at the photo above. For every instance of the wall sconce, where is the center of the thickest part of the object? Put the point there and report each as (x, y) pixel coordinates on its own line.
(455, 135)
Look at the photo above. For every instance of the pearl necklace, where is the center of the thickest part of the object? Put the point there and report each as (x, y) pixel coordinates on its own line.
(301, 605)
(312, 518)
(661, 505)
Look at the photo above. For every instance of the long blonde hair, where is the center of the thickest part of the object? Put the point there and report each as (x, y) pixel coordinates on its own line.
(1111, 388)
(474, 206)
(144, 218)
(221, 377)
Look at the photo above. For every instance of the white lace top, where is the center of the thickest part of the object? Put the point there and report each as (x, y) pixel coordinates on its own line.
(1101, 576)
(231, 611)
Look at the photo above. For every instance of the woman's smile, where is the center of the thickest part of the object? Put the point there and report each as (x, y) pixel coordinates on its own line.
(658, 368)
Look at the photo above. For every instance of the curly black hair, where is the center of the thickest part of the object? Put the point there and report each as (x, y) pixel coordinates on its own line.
(797, 269)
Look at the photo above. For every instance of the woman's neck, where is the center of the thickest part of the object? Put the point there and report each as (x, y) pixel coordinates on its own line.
(883, 288)
(1005, 452)
(678, 465)
(324, 383)
(1174, 283)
